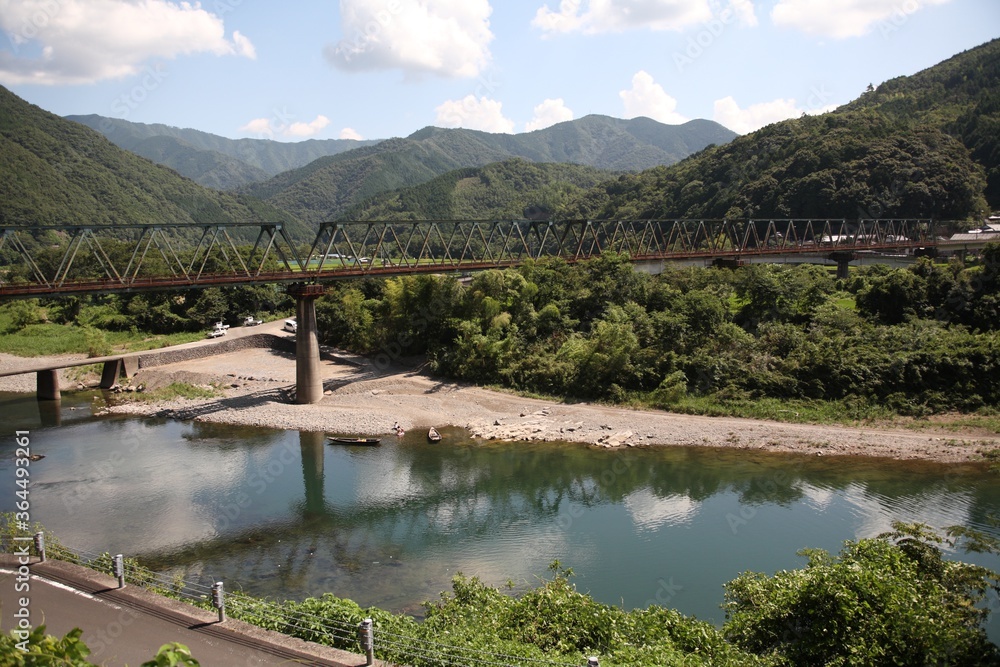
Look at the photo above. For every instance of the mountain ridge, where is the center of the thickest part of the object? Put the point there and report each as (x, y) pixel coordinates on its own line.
(216, 155)
(328, 187)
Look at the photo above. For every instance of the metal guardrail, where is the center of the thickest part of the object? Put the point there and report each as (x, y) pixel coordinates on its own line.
(365, 637)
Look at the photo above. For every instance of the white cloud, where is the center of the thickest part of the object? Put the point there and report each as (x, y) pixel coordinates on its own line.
(445, 37)
(243, 46)
(258, 126)
(474, 113)
(272, 127)
(647, 98)
(596, 16)
(844, 18)
(308, 129)
(728, 113)
(350, 133)
(84, 41)
(743, 10)
(549, 113)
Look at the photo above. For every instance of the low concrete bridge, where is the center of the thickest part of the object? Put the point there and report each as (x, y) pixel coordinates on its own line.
(126, 365)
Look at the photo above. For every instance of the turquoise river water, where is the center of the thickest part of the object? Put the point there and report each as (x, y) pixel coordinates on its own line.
(286, 515)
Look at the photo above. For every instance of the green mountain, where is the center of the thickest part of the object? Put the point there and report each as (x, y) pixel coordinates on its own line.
(211, 160)
(510, 189)
(54, 171)
(918, 146)
(326, 188)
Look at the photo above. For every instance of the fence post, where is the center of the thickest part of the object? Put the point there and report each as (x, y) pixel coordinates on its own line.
(40, 546)
(367, 639)
(219, 600)
(120, 570)
(592, 661)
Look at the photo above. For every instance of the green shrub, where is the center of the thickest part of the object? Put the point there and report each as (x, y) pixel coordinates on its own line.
(890, 600)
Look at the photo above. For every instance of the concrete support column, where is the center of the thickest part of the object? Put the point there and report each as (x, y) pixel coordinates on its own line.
(112, 371)
(843, 260)
(308, 380)
(47, 385)
(843, 268)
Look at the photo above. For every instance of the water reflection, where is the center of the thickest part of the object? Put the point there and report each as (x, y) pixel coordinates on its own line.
(311, 445)
(287, 515)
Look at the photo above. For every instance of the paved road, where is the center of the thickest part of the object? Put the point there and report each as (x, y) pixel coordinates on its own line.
(127, 627)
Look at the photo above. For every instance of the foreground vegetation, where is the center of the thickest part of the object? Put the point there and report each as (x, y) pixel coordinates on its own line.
(889, 600)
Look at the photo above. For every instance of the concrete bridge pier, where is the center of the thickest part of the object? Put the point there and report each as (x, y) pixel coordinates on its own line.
(110, 374)
(308, 380)
(843, 258)
(47, 385)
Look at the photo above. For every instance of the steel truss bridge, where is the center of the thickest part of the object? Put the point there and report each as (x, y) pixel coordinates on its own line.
(79, 259)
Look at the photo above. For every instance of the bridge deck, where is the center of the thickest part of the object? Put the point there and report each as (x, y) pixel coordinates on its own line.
(145, 258)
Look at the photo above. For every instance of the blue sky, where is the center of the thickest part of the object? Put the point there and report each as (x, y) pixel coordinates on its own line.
(380, 68)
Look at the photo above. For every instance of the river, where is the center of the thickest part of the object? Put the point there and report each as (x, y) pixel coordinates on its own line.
(286, 515)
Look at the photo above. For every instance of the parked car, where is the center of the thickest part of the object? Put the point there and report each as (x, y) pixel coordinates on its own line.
(215, 333)
(291, 325)
(251, 321)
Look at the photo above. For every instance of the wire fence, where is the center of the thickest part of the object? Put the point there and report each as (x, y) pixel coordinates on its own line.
(347, 632)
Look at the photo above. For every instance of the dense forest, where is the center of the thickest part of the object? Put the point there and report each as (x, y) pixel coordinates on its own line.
(914, 341)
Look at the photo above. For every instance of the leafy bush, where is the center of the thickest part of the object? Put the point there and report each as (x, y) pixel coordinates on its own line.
(46, 650)
(890, 600)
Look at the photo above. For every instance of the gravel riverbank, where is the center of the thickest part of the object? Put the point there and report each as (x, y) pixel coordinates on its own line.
(256, 386)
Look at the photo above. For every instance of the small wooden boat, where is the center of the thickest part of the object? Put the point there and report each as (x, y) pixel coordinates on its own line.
(433, 435)
(337, 440)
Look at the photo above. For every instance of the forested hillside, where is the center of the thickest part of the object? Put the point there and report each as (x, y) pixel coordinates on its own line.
(919, 146)
(509, 189)
(839, 165)
(960, 96)
(327, 188)
(54, 171)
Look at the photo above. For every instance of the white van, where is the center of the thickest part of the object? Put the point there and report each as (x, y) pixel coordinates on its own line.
(291, 325)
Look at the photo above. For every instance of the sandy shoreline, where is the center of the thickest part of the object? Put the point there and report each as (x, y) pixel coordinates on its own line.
(256, 385)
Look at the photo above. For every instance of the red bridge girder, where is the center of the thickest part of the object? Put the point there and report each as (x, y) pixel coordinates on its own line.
(101, 259)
